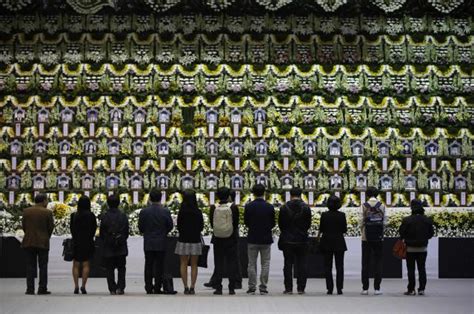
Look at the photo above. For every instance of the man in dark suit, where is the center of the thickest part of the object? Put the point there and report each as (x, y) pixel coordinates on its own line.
(38, 225)
(154, 223)
(114, 232)
(333, 225)
(259, 217)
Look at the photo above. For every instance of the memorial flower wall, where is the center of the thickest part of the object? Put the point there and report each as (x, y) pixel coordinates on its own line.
(96, 101)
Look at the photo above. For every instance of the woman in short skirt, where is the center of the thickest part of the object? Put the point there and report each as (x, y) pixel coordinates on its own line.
(189, 246)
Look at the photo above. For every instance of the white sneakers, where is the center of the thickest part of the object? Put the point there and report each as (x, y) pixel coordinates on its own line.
(376, 292)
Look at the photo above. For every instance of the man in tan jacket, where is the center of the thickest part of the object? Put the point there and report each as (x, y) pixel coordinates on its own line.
(38, 225)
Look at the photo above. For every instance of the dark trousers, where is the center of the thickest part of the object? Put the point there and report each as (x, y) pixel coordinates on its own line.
(238, 278)
(112, 263)
(226, 255)
(420, 259)
(369, 249)
(339, 258)
(295, 255)
(154, 268)
(36, 258)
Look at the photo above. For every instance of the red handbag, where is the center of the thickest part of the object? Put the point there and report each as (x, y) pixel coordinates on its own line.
(399, 249)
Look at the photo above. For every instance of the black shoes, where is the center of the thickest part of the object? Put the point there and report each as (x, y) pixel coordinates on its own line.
(30, 292)
(209, 285)
(288, 292)
(329, 292)
(120, 292)
(43, 292)
(218, 292)
(191, 291)
(410, 292)
(76, 290)
(339, 292)
(231, 291)
(83, 290)
(186, 290)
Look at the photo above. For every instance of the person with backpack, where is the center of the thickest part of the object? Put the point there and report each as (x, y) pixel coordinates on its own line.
(224, 218)
(373, 220)
(294, 222)
(114, 232)
(238, 277)
(415, 231)
(259, 217)
(154, 222)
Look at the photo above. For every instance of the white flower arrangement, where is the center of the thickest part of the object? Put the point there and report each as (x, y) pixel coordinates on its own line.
(445, 6)
(5, 56)
(390, 5)
(75, 23)
(49, 57)
(143, 23)
(166, 24)
(15, 5)
(394, 26)
(257, 23)
(235, 24)
(72, 56)
(331, 6)
(349, 26)
(461, 27)
(273, 5)
(219, 5)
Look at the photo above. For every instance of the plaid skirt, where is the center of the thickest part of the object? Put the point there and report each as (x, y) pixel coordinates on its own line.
(188, 248)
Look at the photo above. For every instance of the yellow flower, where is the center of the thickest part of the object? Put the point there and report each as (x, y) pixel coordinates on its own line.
(60, 211)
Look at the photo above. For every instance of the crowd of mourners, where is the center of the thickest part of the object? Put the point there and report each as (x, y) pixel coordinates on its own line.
(155, 222)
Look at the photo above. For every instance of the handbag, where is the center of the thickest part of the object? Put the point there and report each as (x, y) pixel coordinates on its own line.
(399, 249)
(202, 261)
(68, 249)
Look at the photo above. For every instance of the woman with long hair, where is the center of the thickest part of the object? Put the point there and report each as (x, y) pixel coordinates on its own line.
(83, 226)
(190, 225)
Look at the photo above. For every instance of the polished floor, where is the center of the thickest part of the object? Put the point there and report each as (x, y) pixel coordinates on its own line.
(442, 296)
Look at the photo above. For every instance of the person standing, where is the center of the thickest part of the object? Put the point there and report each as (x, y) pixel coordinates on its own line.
(83, 225)
(224, 220)
(189, 246)
(38, 226)
(373, 220)
(259, 217)
(114, 230)
(294, 221)
(154, 222)
(416, 230)
(333, 225)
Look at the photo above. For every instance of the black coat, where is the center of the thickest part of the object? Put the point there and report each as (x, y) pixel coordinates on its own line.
(83, 226)
(294, 221)
(259, 217)
(416, 230)
(333, 225)
(190, 224)
(234, 237)
(114, 218)
(155, 222)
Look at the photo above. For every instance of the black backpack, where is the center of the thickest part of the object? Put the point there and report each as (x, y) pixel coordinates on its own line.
(114, 236)
(374, 222)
